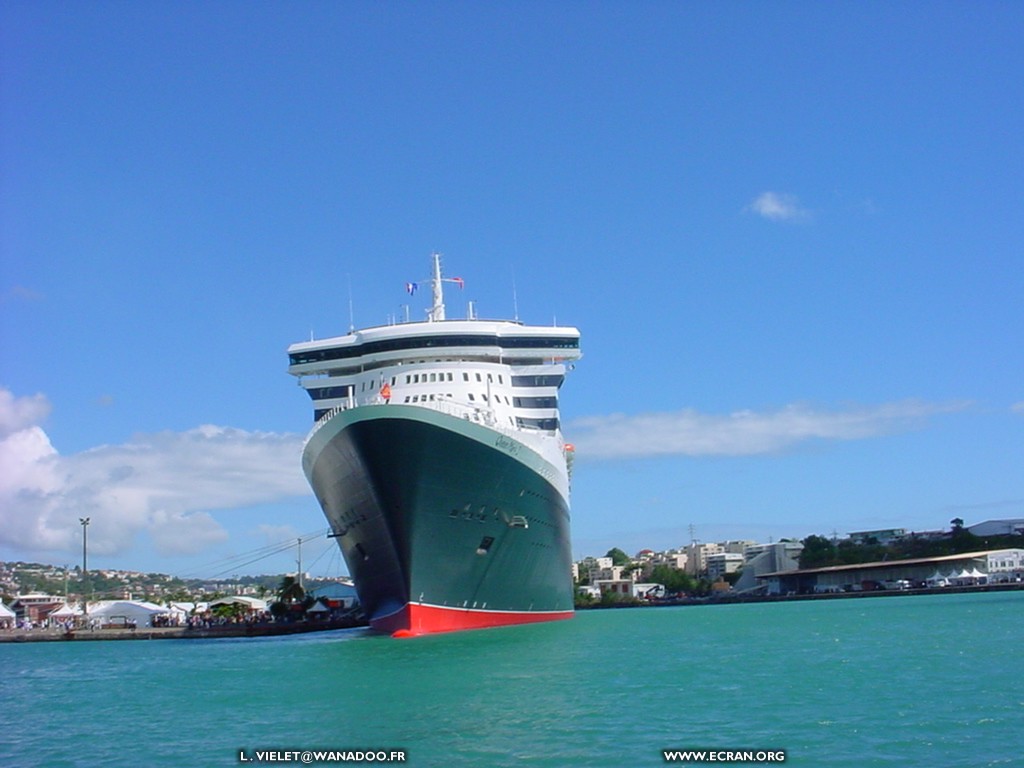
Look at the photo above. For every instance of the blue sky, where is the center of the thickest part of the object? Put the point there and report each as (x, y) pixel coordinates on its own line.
(790, 234)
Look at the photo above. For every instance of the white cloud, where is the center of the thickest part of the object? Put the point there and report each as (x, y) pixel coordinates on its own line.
(1018, 407)
(18, 413)
(744, 433)
(163, 485)
(777, 206)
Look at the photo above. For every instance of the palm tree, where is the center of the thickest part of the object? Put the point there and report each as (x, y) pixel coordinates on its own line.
(290, 591)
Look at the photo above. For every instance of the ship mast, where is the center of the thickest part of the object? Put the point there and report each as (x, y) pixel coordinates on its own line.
(436, 313)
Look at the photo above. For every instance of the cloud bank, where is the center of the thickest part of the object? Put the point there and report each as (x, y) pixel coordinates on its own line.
(777, 206)
(688, 433)
(163, 485)
(166, 485)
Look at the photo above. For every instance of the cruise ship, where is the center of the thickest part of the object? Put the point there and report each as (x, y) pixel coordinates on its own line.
(438, 459)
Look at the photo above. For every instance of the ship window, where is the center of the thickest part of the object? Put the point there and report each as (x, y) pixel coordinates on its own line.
(535, 402)
(550, 424)
(478, 377)
(537, 381)
(394, 380)
(329, 393)
(406, 399)
(433, 377)
(473, 399)
(465, 376)
(449, 376)
(408, 378)
(485, 545)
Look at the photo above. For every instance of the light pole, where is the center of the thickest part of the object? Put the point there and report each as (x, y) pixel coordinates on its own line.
(85, 550)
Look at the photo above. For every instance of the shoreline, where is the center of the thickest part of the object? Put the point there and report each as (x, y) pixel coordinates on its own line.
(727, 599)
(297, 628)
(176, 633)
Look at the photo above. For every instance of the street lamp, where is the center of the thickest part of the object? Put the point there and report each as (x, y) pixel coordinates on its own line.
(85, 538)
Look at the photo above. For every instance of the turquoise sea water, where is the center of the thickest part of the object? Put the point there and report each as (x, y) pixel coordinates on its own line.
(900, 681)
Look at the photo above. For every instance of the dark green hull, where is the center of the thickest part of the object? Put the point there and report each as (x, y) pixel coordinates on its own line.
(444, 524)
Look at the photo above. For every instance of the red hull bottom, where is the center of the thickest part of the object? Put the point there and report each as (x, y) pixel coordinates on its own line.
(431, 619)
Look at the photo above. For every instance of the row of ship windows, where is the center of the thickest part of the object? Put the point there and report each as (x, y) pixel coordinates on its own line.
(517, 381)
(432, 342)
(519, 402)
(520, 421)
(330, 393)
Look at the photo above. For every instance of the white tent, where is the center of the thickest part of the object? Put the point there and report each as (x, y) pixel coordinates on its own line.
(7, 616)
(318, 607)
(127, 612)
(251, 603)
(186, 609)
(66, 612)
(937, 579)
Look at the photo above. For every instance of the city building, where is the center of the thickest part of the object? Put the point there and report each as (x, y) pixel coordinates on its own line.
(965, 569)
(1012, 527)
(697, 557)
(768, 558)
(721, 564)
(883, 536)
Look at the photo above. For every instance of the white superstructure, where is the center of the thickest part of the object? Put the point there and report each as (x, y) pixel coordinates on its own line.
(500, 374)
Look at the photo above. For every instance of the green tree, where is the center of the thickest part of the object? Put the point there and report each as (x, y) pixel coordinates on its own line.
(291, 599)
(618, 556)
(674, 580)
(290, 591)
(818, 552)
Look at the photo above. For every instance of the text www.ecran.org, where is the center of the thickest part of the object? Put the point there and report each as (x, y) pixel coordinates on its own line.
(724, 755)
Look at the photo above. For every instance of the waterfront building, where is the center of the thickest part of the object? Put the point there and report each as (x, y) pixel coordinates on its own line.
(697, 557)
(1005, 565)
(768, 558)
(721, 564)
(36, 607)
(883, 536)
(738, 547)
(673, 558)
(336, 593)
(964, 569)
(1011, 527)
(600, 568)
(630, 588)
